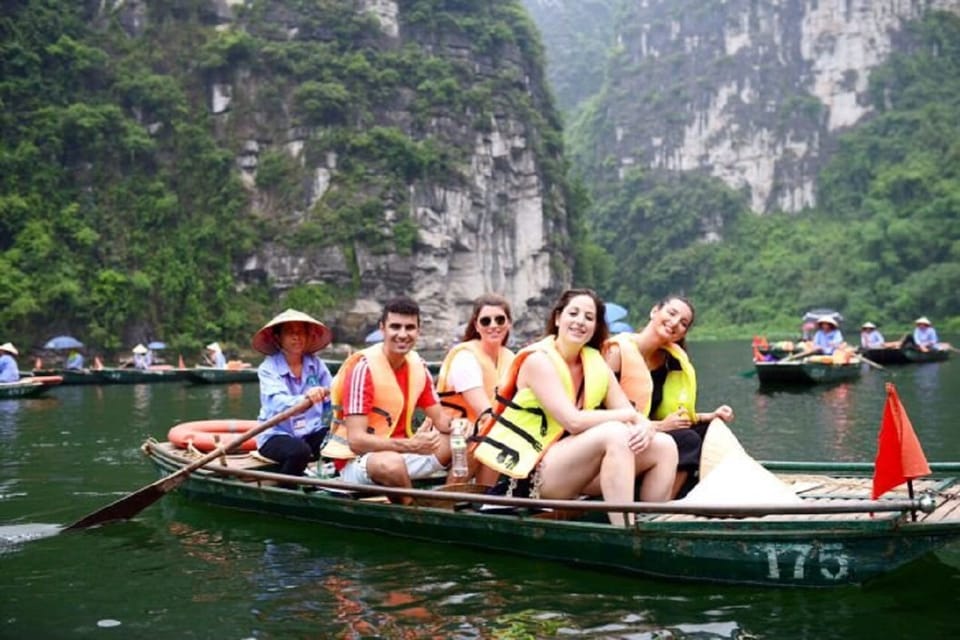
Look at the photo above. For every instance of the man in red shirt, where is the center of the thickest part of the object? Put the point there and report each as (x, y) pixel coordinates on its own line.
(382, 386)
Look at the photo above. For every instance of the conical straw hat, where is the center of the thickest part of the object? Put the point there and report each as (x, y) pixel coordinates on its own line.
(730, 476)
(140, 349)
(319, 335)
(214, 346)
(9, 348)
(718, 443)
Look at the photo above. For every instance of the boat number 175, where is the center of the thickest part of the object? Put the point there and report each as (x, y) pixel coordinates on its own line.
(830, 559)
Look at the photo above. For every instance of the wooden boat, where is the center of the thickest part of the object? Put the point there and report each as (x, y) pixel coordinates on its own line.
(807, 371)
(835, 536)
(124, 375)
(28, 387)
(72, 376)
(906, 354)
(213, 375)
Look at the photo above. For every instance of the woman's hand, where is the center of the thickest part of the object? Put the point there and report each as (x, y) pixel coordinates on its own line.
(317, 395)
(724, 412)
(640, 433)
(679, 419)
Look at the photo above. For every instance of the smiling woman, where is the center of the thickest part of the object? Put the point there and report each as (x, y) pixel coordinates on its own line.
(564, 425)
(471, 369)
(660, 380)
(290, 374)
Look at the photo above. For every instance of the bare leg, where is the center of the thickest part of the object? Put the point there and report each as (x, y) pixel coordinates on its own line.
(388, 469)
(601, 453)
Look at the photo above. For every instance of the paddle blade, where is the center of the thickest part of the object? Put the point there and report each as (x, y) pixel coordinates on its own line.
(129, 505)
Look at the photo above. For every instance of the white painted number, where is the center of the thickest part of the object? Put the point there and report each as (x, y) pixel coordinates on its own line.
(832, 562)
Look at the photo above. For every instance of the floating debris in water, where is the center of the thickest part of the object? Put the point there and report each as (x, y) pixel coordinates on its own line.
(106, 623)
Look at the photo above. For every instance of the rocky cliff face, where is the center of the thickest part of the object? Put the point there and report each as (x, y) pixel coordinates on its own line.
(496, 222)
(750, 92)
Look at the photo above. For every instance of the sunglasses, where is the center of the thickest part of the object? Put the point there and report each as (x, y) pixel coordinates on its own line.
(486, 320)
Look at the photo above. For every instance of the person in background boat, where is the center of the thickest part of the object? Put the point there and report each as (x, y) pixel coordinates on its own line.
(214, 356)
(290, 373)
(561, 399)
(659, 379)
(471, 369)
(828, 337)
(870, 336)
(142, 358)
(375, 394)
(9, 369)
(924, 335)
(74, 361)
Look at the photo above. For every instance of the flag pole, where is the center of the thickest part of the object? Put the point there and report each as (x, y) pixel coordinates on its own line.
(913, 512)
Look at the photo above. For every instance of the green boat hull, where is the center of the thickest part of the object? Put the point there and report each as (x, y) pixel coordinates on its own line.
(72, 376)
(210, 375)
(116, 375)
(16, 390)
(815, 551)
(805, 373)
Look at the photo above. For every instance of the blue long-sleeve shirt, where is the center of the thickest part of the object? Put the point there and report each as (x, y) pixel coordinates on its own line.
(828, 341)
(279, 391)
(925, 336)
(9, 370)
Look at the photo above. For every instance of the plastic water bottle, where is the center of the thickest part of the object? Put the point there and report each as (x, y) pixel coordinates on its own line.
(458, 447)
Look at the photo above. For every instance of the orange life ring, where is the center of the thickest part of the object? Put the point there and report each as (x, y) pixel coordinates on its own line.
(204, 433)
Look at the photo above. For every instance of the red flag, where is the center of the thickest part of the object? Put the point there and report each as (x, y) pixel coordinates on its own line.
(899, 454)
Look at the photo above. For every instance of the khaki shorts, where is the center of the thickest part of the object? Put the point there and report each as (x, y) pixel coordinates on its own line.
(418, 466)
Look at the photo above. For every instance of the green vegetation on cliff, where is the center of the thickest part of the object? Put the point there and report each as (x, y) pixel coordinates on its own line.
(123, 211)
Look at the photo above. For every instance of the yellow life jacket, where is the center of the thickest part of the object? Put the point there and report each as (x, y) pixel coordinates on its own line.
(388, 400)
(679, 388)
(492, 373)
(519, 431)
(634, 374)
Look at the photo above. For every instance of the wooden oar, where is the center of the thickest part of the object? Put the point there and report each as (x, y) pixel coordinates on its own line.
(796, 356)
(871, 363)
(134, 503)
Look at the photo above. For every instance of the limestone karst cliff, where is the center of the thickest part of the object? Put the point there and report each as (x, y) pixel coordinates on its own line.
(388, 147)
(751, 92)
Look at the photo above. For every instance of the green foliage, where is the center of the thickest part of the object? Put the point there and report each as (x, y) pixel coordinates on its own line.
(122, 212)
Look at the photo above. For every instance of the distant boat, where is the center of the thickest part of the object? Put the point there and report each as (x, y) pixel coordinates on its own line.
(214, 375)
(807, 371)
(906, 354)
(28, 387)
(72, 376)
(124, 375)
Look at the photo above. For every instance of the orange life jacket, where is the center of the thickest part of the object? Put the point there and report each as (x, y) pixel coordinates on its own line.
(388, 398)
(457, 406)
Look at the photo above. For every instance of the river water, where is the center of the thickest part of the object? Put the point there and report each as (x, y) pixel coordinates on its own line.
(180, 570)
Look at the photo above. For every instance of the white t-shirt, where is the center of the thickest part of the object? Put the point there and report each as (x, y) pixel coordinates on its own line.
(465, 372)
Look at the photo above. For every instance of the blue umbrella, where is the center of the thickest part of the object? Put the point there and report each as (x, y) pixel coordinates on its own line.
(374, 336)
(63, 342)
(156, 345)
(614, 312)
(620, 327)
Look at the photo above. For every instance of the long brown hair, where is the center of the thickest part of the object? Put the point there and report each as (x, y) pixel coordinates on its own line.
(486, 300)
(600, 333)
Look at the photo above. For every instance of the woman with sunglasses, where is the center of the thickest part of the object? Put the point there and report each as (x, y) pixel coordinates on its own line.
(471, 369)
(564, 427)
(655, 372)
